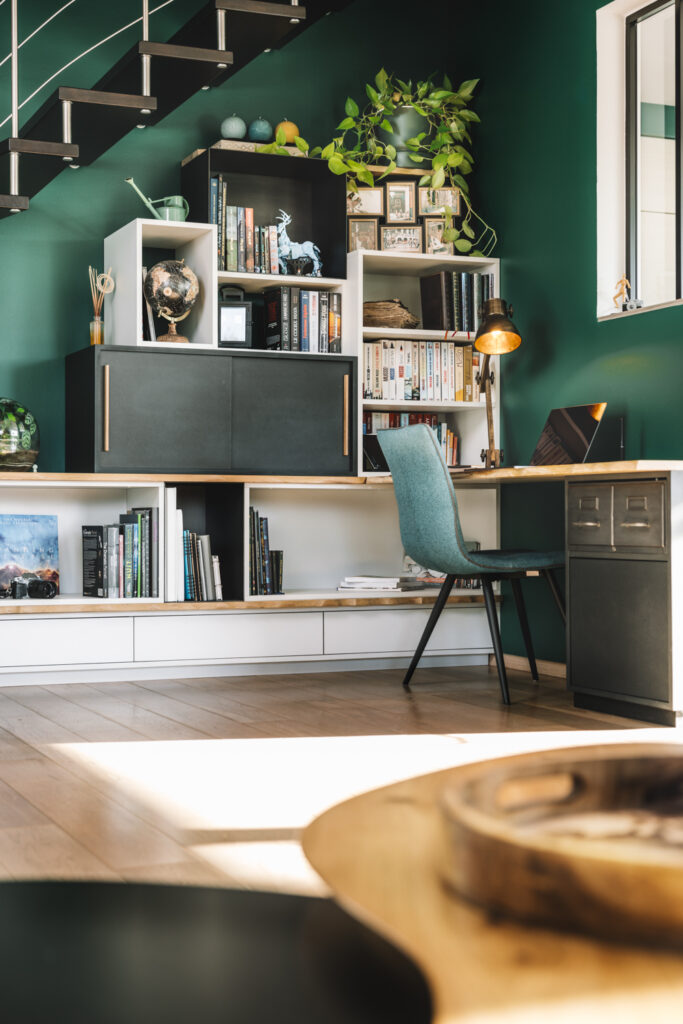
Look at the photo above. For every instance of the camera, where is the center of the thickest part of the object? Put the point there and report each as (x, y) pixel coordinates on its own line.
(30, 585)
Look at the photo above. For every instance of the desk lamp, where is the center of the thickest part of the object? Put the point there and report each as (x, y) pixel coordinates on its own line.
(496, 335)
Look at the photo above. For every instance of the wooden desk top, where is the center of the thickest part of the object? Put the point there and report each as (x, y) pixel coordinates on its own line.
(380, 854)
(576, 471)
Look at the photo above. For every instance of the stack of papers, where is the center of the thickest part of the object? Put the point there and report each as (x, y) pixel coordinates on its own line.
(384, 583)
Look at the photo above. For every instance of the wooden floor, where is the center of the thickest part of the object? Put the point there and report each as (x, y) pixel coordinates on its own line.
(210, 781)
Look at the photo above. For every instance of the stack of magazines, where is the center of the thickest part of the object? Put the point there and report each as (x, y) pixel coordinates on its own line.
(392, 584)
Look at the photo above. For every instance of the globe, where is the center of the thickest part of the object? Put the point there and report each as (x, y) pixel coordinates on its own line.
(19, 436)
(171, 289)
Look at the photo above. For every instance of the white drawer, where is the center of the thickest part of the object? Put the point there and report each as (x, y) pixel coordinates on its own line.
(57, 641)
(197, 637)
(398, 630)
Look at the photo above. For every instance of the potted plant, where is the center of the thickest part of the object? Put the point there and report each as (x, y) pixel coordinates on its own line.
(405, 124)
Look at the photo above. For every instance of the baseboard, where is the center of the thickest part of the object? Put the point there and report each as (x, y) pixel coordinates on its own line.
(556, 669)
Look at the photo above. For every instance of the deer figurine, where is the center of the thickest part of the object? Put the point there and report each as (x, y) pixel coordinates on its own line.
(288, 250)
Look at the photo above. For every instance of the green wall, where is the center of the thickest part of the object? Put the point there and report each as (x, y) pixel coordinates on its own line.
(537, 154)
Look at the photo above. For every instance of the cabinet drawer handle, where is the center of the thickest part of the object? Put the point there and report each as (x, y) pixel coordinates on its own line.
(634, 526)
(105, 410)
(587, 522)
(345, 413)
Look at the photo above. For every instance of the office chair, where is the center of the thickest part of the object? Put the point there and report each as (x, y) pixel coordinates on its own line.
(432, 536)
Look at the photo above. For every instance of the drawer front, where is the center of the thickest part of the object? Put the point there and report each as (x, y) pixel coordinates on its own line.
(197, 637)
(639, 514)
(397, 631)
(589, 515)
(57, 642)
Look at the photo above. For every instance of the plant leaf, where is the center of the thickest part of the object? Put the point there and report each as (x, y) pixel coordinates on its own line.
(469, 115)
(450, 234)
(439, 161)
(280, 137)
(424, 180)
(301, 144)
(327, 152)
(416, 158)
(351, 107)
(462, 245)
(386, 126)
(467, 230)
(389, 170)
(447, 83)
(366, 176)
(337, 165)
(381, 79)
(347, 123)
(438, 178)
(468, 87)
(455, 159)
(372, 95)
(391, 152)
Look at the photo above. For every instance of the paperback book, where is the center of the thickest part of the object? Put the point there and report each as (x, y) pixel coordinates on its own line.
(28, 543)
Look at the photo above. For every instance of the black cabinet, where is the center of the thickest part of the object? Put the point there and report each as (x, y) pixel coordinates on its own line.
(168, 411)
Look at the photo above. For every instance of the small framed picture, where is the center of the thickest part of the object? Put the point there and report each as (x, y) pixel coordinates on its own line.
(434, 243)
(366, 202)
(433, 201)
(400, 202)
(402, 238)
(363, 233)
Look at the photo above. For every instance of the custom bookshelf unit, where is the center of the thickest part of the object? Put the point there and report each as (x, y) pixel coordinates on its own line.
(387, 275)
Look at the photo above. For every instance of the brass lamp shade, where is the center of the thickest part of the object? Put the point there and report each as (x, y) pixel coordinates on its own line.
(497, 334)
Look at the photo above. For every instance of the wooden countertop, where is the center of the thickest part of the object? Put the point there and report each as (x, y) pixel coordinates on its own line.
(576, 471)
(380, 854)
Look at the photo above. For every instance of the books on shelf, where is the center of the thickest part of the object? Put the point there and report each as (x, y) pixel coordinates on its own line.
(451, 299)
(192, 570)
(420, 371)
(243, 245)
(391, 584)
(122, 559)
(374, 421)
(303, 320)
(265, 565)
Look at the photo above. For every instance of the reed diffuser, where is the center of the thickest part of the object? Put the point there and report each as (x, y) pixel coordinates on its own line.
(100, 285)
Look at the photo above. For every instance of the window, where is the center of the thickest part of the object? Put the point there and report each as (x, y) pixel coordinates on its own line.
(639, 67)
(652, 209)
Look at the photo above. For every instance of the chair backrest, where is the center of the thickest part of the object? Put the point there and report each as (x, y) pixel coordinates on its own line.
(427, 506)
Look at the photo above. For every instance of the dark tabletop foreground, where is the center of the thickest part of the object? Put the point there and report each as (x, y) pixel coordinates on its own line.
(107, 953)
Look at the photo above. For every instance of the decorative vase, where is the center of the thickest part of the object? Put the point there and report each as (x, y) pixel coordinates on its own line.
(19, 436)
(96, 330)
(233, 127)
(260, 130)
(407, 123)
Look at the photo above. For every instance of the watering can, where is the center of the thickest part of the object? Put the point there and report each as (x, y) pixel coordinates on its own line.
(172, 208)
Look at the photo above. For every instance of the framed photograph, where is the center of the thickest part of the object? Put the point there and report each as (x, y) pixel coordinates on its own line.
(434, 228)
(400, 202)
(366, 202)
(432, 201)
(363, 233)
(402, 238)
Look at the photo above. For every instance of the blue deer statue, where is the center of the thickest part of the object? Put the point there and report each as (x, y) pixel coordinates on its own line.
(288, 251)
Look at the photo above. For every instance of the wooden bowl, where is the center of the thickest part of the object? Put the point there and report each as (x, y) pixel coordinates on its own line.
(588, 839)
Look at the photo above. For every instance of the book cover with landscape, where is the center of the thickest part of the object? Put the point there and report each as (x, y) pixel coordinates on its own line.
(28, 543)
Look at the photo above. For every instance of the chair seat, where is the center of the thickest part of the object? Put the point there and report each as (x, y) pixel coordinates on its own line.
(516, 561)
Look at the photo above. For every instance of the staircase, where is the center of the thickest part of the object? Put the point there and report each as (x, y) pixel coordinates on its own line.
(75, 126)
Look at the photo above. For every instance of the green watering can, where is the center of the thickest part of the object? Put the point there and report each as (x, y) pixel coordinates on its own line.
(172, 208)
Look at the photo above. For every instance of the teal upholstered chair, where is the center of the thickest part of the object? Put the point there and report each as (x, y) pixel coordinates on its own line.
(431, 534)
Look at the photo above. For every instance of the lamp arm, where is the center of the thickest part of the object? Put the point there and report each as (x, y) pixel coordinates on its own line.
(491, 456)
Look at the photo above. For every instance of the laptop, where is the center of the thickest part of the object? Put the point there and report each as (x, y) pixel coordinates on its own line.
(568, 435)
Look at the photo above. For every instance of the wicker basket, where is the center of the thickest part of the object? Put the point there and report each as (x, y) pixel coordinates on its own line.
(388, 313)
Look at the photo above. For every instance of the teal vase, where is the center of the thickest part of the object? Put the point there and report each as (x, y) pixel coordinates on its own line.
(260, 130)
(406, 123)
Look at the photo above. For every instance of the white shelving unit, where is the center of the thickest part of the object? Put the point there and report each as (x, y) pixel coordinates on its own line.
(123, 252)
(388, 275)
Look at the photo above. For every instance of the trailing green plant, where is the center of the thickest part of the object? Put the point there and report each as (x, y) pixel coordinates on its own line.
(442, 148)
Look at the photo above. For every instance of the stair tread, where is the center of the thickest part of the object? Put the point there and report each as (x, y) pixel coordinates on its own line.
(262, 7)
(38, 147)
(8, 203)
(174, 51)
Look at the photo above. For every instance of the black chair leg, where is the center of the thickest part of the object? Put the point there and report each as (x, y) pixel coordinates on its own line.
(446, 588)
(524, 626)
(555, 591)
(490, 603)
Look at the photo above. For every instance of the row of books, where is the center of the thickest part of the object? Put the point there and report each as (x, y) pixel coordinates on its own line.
(122, 559)
(451, 299)
(202, 573)
(242, 245)
(193, 572)
(265, 566)
(374, 421)
(303, 320)
(420, 371)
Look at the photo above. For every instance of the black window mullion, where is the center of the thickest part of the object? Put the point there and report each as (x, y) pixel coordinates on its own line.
(632, 152)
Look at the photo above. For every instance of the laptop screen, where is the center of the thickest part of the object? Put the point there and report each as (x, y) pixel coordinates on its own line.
(567, 435)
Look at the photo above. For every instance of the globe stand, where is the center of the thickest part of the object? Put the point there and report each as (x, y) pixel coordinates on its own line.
(172, 333)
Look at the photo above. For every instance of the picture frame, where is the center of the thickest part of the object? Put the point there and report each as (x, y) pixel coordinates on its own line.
(366, 202)
(401, 238)
(400, 202)
(434, 244)
(363, 233)
(433, 201)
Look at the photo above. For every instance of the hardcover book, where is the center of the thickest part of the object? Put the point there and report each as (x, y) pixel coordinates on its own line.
(28, 543)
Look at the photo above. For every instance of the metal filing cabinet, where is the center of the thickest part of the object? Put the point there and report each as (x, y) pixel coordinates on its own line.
(623, 560)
